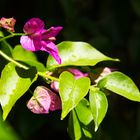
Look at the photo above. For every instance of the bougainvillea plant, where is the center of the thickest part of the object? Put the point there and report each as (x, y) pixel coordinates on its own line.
(75, 87)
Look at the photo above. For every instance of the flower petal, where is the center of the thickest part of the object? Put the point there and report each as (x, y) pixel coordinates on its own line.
(41, 101)
(104, 73)
(51, 32)
(55, 102)
(51, 48)
(8, 23)
(30, 44)
(55, 86)
(44, 100)
(33, 25)
(77, 73)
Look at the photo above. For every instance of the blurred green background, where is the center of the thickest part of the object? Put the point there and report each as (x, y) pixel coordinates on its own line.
(111, 26)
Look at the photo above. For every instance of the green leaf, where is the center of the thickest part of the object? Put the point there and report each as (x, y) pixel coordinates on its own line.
(98, 104)
(81, 125)
(7, 49)
(27, 57)
(21, 54)
(6, 131)
(77, 54)
(14, 83)
(39, 66)
(5, 46)
(74, 128)
(72, 91)
(121, 84)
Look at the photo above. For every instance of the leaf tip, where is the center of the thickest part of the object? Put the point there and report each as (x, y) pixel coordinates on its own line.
(118, 60)
(4, 116)
(96, 128)
(63, 116)
(61, 119)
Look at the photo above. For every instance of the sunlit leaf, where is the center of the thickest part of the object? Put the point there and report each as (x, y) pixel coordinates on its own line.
(14, 83)
(81, 125)
(98, 104)
(72, 91)
(21, 54)
(77, 54)
(27, 57)
(120, 84)
(74, 128)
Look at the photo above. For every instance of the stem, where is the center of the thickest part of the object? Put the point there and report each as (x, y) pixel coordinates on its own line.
(44, 74)
(6, 56)
(12, 60)
(11, 35)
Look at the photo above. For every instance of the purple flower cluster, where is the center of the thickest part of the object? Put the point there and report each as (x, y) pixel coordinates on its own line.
(38, 38)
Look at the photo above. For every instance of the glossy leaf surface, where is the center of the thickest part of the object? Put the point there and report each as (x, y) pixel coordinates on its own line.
(121, 84)
(77, 54)
(98, 104)
(72, 91)
(14, 83)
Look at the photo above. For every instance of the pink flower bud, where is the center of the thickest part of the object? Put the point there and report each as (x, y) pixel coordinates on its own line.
(8, 23)
(55, 85)
(77, 73)
(105, 72)
(44, 100)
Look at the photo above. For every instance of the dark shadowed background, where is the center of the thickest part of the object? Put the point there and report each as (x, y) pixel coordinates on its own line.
(111, 26)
